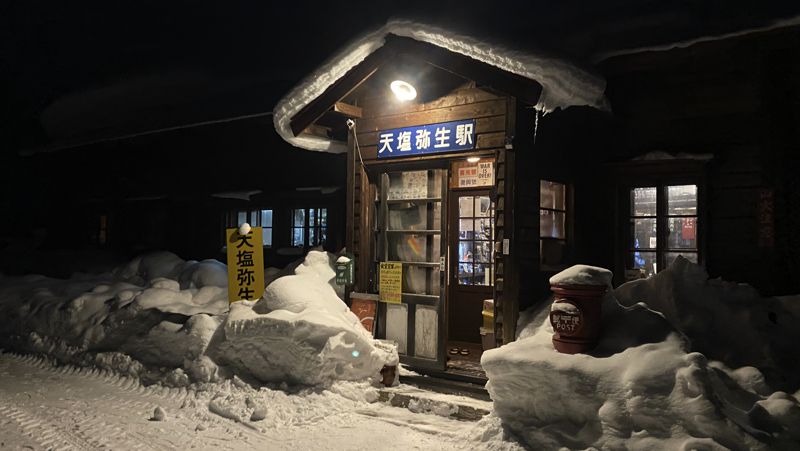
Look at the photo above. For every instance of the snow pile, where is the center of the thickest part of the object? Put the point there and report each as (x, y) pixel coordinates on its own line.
(166, 320)
(726, 321)
(582, 275)
(301, 332)
(563, 84)
(641, 388)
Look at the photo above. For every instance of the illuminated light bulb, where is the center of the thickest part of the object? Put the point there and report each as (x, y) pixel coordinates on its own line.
(244, 229)
(403, 90)
(356, 353)
(473, 159)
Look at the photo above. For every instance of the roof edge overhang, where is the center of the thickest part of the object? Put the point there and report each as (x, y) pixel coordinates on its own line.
(563, 84)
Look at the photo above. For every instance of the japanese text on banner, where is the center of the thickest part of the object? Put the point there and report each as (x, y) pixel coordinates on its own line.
(245, 265)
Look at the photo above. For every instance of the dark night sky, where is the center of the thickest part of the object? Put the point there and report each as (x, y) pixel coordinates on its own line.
(69, 69)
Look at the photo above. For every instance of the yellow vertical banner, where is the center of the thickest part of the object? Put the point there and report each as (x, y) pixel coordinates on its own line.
(391, 282)
(245, 265)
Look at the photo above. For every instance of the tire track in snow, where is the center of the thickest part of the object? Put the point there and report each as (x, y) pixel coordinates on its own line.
(42, 432)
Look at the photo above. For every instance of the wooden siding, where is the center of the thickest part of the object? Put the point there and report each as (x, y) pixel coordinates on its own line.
(738, 99)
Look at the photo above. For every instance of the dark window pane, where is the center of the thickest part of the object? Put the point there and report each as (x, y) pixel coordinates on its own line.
(643, 201)
(323, 215)
(670, 256)
(465, 271)
(644, 234)
(552, 224)
(552, 195)
(644, 261)
(682, 233)
(551, 252)
(312, 236)
(682, 200)
(297, 237)
(299, 216)
(241, 218)
(266, 218)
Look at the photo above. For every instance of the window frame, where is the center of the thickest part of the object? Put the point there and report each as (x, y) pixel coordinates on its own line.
(567, 240)
(662, 218)
(320, 238)
(232, 220)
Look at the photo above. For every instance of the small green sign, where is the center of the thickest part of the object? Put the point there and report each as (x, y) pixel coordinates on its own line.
(345, 274)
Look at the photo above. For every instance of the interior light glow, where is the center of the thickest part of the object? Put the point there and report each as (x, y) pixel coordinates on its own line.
(403, 90)
(473, 159)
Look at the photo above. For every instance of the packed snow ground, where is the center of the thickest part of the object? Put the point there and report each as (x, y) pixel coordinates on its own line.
(43, 406)
(713, 368)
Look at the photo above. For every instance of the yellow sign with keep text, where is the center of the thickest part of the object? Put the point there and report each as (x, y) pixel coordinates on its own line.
(391, 282)
(245, 265)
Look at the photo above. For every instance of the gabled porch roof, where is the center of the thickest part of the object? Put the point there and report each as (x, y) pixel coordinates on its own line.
(544, 81)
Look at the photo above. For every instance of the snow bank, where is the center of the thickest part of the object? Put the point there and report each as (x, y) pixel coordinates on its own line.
(301, 332)
(641, 388)
(563, 84)
(726, 321)
(166, 320)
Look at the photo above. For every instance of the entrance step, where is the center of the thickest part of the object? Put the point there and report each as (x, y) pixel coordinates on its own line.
(418, 400)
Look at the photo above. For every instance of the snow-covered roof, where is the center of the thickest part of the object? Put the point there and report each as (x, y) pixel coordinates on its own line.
(563, 83)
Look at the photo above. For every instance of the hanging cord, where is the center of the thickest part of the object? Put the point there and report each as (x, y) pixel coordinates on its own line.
(351, 124)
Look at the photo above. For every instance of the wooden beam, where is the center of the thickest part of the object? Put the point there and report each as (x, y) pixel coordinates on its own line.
(317, 130)
(339, 89)
(348, 110)
(515, 85)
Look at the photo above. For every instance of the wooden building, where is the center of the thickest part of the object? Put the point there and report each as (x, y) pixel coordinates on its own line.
(449, 183)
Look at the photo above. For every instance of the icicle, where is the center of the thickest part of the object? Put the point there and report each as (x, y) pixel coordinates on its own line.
(535, 125)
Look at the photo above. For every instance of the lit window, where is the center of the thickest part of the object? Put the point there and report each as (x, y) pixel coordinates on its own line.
(309, 226)
(475, 240)
(663, 225)
(256, 218)
(552, 224)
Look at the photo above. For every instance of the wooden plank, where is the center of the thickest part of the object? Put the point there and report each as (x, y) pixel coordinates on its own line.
(522, 88)
(370, 153)
(454, 113)
(317, 130)
(339, 89)
(379, 106)
(348, 110)
(490, 140)
(482, 125)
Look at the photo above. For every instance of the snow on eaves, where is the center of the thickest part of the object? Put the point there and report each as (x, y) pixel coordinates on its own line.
(563, 84)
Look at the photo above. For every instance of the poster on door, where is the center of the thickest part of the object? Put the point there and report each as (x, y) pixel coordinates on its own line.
(391, 282)
(472, 175)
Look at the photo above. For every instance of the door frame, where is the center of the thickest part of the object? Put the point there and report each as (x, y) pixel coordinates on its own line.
(440, 362)
(452, 245)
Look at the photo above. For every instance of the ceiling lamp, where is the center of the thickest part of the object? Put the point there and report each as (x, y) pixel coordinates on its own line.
(403, 90)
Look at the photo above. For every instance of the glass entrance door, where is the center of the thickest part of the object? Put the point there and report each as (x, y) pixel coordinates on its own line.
(472, 263)
(410, 228)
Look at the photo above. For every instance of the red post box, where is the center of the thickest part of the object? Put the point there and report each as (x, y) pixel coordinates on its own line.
(576, 317)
